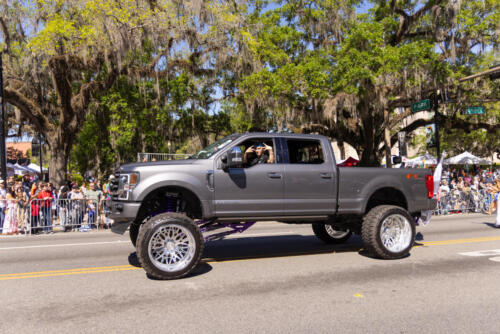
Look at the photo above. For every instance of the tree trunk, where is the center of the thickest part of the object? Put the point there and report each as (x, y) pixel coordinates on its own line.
(57, 166)
(60, 146)
(369, 158)
(341, 146)
(369, 154)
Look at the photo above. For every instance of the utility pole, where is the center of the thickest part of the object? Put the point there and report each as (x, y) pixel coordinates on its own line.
(436, 124)
(3, 153)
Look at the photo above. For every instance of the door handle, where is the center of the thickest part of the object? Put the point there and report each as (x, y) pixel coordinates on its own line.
(274, 175)
(325, 175)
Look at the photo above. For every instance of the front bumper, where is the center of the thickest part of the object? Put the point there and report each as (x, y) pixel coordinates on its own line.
(122, 213)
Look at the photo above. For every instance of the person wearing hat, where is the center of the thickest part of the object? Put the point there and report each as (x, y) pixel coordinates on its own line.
(77, 206)
(62, 200)
(259, 153)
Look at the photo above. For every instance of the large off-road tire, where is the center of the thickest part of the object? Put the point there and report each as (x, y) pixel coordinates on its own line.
(328, 234)
(133, 232)
(169, 246)
(388, 232)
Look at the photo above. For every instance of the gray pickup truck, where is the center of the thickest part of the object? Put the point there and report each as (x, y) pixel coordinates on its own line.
(173, 207)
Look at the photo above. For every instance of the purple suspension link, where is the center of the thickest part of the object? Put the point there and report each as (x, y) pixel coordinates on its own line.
(207, 226)
(172, 204)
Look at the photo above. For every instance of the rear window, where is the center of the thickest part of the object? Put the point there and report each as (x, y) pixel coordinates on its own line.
(304, 151)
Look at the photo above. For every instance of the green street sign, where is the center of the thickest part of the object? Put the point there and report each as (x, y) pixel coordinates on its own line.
(474, 111)
(421, 105)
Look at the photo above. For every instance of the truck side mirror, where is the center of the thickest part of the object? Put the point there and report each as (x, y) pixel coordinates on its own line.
(396, 160)
(232, 159)
(235, 159)
(223, 160)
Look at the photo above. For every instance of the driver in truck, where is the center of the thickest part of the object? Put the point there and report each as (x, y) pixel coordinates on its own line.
(259, 153)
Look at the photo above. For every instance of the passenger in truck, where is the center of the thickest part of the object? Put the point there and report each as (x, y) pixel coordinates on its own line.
(259, 153)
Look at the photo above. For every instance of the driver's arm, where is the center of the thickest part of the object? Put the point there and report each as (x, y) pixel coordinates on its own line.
(269, 149)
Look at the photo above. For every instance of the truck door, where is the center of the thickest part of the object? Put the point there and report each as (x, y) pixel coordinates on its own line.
(309, 177)
(255, 189)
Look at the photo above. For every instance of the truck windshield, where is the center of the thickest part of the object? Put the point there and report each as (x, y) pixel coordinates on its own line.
(211, 149)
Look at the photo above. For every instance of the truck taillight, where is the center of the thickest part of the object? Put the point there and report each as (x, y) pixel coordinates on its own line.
(429, 183)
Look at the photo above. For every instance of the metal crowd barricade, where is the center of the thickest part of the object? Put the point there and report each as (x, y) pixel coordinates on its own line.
(47, 216)
(148, 157)
(456, 201)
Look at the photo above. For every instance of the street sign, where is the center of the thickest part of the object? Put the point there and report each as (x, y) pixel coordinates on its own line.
(421, 105)
(474, 111)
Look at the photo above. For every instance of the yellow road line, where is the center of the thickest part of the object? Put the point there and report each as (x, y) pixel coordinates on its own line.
(459, 241)
(65, 270)
(93, 270)
(22, 275)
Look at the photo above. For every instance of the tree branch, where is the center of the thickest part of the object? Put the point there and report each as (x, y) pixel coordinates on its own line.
(407, 21)
(458, 123)
(60, 73)
(29, 109)
(408, 129)
(5, 34)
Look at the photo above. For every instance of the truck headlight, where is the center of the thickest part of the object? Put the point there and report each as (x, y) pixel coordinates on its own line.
(127, 182)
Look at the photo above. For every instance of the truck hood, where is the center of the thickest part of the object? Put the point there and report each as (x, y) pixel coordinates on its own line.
(130, 167)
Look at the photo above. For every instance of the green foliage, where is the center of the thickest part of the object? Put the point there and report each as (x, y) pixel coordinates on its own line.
(76, 177)
(187, 75)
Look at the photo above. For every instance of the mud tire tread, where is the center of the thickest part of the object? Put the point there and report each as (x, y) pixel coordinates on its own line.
(371, 228)
(133, 232)
(145, 234)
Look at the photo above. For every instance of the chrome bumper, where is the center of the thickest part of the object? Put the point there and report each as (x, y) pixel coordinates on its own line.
(121, 211)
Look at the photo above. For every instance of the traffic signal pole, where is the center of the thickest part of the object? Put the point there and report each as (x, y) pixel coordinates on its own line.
(436, 124)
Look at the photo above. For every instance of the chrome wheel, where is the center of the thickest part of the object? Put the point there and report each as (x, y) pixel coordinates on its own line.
(171, 248)
(336, 234)
(396, 233)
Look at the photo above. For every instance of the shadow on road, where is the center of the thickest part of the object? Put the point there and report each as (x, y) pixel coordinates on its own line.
(266, 247)
(133, 260)
(492, 225)
(274, 246)
(201, 269)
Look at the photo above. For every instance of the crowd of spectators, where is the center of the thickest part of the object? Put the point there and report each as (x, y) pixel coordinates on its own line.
(467, 191)
(29, 205)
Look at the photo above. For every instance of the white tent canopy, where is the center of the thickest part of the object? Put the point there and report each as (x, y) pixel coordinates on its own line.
(466, 158)
(427, 159)
(36, 167)
(20, 170)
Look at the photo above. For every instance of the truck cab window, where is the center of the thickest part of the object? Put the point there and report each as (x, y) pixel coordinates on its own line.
(305, 151)
(258, 151)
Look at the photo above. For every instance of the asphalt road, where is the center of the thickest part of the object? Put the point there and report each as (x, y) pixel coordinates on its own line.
(274, 278)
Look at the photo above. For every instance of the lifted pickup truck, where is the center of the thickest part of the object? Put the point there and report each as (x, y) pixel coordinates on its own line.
(173, 207)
